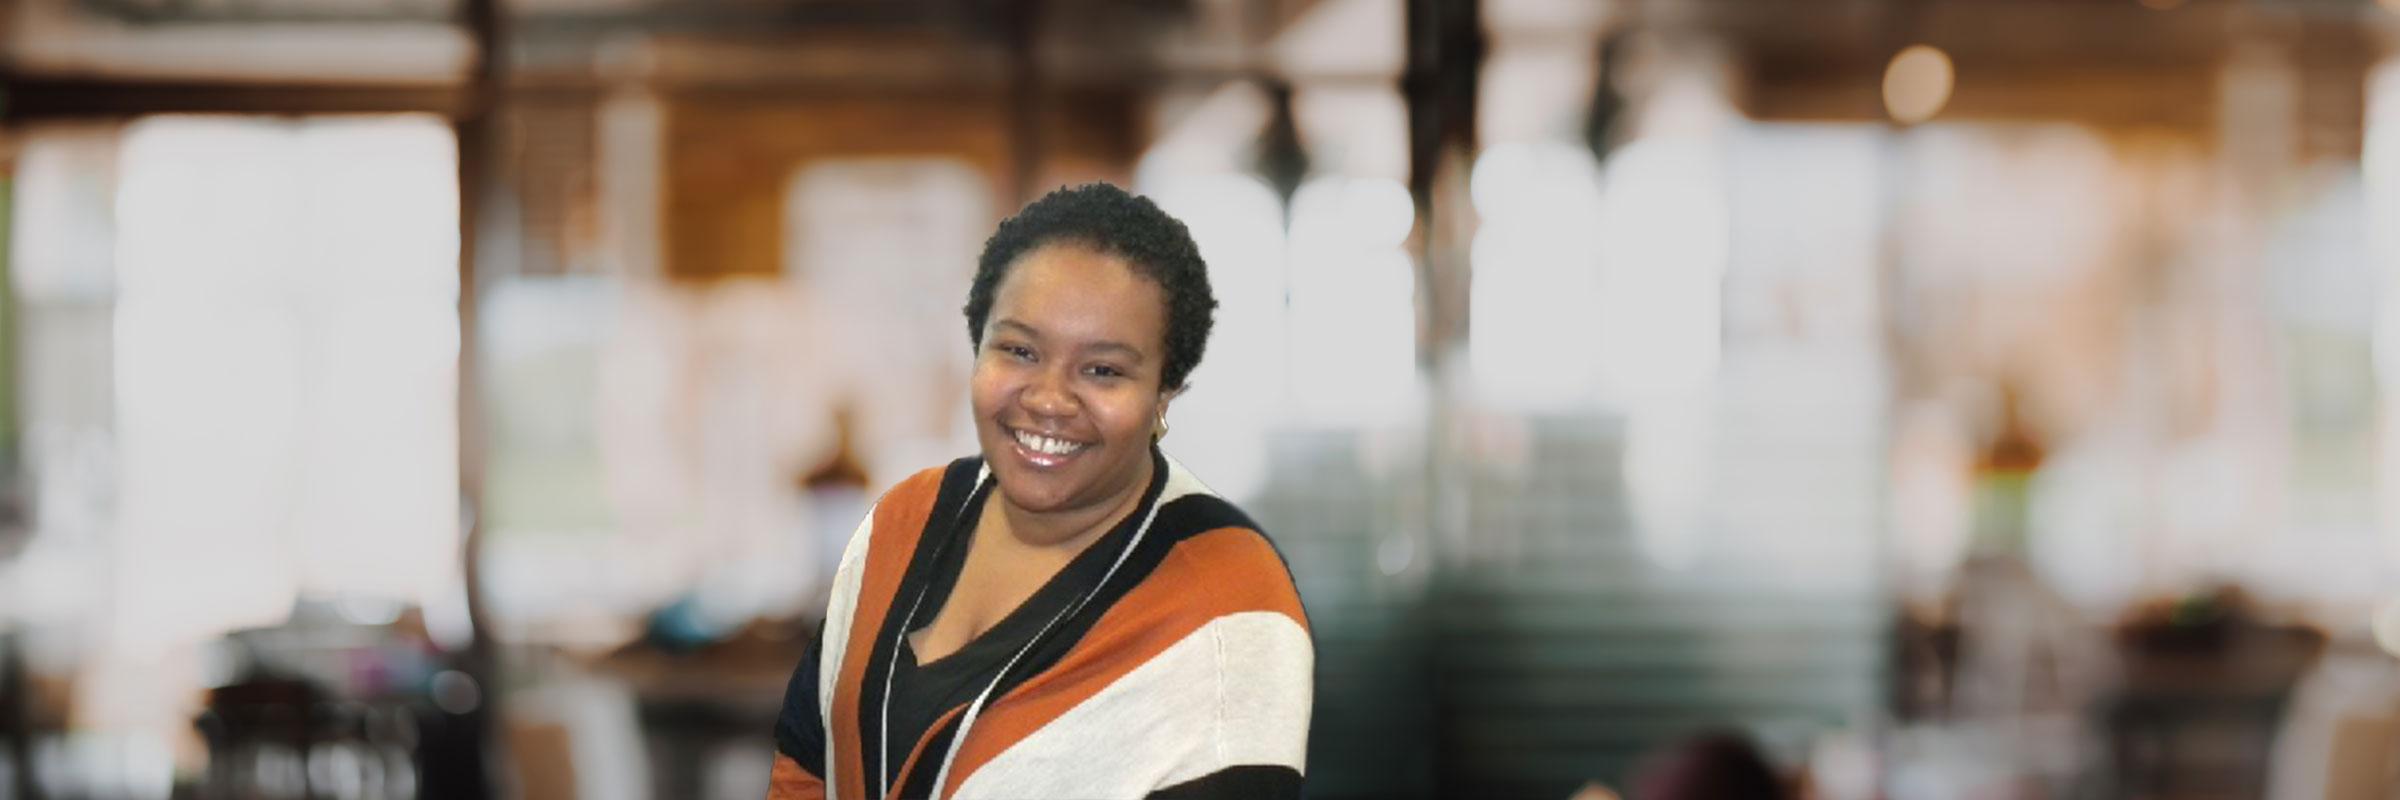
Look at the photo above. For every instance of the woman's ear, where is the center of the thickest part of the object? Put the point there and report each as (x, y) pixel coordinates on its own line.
(1158, 428)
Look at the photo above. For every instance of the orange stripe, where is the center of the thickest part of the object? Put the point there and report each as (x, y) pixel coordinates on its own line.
(899, 521)
(1223, 571)
(790, 781)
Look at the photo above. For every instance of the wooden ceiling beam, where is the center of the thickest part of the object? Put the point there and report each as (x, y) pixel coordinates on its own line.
(26, 98)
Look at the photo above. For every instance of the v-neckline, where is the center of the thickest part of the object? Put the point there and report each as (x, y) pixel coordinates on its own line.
(1057, 592)
(1020, 623)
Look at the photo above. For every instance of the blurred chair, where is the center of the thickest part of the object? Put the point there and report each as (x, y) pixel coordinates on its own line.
(16, 723)
(273, 737)
(579, 738)
(2206, 679)
(258, 734)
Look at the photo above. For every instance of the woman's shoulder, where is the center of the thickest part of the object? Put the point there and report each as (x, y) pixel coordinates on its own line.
(1230, 569)
(1223, 561)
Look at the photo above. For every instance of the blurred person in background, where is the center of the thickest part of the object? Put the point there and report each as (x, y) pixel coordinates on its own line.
(1711, 766)
(1071, 613)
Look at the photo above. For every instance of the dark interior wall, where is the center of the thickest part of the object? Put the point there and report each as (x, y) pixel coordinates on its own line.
(729, 155)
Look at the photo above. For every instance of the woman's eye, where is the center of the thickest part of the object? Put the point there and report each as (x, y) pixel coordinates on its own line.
(1104, 371)
(1018, 352)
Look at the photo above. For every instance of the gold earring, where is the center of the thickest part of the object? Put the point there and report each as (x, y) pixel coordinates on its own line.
(1159, 432)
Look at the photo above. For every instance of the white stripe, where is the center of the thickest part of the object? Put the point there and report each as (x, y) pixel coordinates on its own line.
(836, 637)
(1235, 692)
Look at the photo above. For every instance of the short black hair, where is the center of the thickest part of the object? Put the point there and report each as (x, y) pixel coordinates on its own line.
(1117, 223)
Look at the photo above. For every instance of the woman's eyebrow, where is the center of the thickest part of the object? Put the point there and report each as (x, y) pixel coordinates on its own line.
(1129, 350)
(1023, 329)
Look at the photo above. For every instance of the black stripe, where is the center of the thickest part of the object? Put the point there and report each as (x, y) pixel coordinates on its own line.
(919, 782)
(1244, 782)
(800, 727)
(958, 486)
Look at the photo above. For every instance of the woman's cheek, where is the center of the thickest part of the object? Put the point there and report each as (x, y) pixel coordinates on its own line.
(987, 389)
(1123, 414)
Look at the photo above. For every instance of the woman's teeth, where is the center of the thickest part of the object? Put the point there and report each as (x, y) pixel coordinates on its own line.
(1046, 445)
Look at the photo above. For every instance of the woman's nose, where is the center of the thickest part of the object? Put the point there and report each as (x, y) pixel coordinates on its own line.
(1048, 396)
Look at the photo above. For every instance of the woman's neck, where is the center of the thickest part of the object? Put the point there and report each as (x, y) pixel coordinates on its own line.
(1073, 529)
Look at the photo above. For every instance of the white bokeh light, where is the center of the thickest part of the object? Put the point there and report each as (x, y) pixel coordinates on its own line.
(1664, 231)
(1353, 303)
(1593, 283)
(1536, 276)
(1917, 83)
(286, 356)
(2380, 162)
(1219, 426)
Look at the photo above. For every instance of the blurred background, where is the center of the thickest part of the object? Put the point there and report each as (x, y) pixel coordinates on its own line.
(1942, 398)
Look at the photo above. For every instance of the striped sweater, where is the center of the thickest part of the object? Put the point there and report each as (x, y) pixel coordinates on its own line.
(1180, 667)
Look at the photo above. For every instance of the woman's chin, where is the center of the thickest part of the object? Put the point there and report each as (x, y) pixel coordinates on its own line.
(1035, 495)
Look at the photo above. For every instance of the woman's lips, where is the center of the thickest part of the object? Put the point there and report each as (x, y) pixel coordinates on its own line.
(1045, 451)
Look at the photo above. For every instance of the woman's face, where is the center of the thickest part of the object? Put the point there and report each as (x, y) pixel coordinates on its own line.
(1066, 386)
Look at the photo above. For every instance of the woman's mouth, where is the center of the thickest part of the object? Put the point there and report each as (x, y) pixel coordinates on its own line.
(1045, 451)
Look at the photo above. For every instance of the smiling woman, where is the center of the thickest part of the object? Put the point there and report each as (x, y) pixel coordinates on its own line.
(1071, 613)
